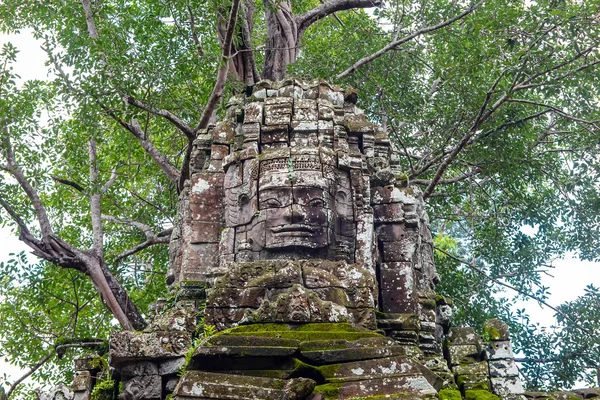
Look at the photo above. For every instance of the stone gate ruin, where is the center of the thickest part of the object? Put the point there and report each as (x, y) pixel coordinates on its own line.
(301, 268)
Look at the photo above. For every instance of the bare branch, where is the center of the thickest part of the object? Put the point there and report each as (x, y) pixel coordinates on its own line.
(151, 238)
(396, 43)
(525, 84)
(193, 31)
(122, 221)
(223, 69)
(110, 182)
(95, 197)
(69, 183)
(28, 373)
(556, 110)
(449, 181)
(187, 130)
(13, 168)
(16, 217)
(150, 242)
(89, 18)
(162, 161)
(310, 17)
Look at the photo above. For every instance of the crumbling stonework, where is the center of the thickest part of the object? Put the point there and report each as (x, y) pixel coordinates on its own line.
(301, 267)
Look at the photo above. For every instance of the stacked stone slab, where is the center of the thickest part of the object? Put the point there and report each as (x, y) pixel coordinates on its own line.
(149, 361)
(504, 374)
(463, 348)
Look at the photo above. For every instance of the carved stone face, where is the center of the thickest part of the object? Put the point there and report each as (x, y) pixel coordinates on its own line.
(284, 207)
(296, 216)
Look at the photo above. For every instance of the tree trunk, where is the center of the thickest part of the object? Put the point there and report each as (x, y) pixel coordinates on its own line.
(282, 39)
(114, 294)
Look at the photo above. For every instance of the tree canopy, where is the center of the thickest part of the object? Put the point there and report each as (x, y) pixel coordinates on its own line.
(492, 106)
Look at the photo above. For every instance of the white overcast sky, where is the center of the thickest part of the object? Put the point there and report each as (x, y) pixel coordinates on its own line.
(570, 276)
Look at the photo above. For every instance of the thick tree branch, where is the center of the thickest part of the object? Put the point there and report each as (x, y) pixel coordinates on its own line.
(163, 163)
(144, 245)
(396, 43)
(147, 229)
(223, 69)
(556, 110)
(162, 237)
(69, 183)
(13, 168)
(89, 18)
(111, 181)
(28, 373)
(310, 17)
(95, 197)
(187, 130)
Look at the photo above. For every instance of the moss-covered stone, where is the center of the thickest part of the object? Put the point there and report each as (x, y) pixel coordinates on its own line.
(329, 391)
(480, 395)
(449, 394)
(495, 329)
(304, 332)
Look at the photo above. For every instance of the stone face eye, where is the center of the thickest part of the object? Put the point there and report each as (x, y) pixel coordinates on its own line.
(316, 203)
(271, 203)
(243, 199)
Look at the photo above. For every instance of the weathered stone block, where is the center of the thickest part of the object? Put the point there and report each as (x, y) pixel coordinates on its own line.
(82, 381)
(219, 151)
(507, 386)
(253, 112)
(135, 346)
(409, 386)
(274, 134)
(139, 368)
(496, 329)
(473, 382)
(478, 368)
(207, 385)
(398, 276)
(399, 250)
(223, 133)
(499, 350)
(503, 368)
(172, 366)
(206, 232)
(388, 213)
(396, 301)
(144, 387)
(462, 335)
(399, 322)
(466, 353)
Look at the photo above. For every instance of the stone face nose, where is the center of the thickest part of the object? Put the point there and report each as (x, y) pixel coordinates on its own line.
(294, 214)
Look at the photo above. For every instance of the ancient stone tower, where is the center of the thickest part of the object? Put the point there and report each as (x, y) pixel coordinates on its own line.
(301, 268)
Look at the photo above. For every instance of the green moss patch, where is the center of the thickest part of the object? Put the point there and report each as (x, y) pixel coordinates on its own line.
(304, 332)
(449, 394)
(329, 391)
(480, 395)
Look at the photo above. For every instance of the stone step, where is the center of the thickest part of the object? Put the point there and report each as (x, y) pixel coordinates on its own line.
(207, 385)
(320, 357)
(378, 368)
(412, 387)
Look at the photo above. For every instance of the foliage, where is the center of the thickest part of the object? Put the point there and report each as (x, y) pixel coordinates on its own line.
(494, 116)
